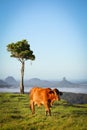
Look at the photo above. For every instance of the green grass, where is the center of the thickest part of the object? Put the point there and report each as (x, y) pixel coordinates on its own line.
(16, 115)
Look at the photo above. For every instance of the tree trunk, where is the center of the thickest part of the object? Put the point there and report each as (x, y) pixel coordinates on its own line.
(22, 79)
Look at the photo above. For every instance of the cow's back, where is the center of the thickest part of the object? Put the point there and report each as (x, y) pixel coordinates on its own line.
(39, 95)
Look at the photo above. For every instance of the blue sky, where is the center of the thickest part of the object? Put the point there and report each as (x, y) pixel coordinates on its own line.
(56, 31)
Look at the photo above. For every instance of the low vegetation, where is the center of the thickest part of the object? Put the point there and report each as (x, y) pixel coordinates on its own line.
(74, 98)
(16, 115)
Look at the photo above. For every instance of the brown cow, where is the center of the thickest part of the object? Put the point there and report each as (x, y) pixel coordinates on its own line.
(43, 96)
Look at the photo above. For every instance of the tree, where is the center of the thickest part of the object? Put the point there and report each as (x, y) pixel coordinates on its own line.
(21, 50)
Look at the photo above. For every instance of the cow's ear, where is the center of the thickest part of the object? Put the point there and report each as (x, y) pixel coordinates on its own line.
(56, 90)
(50, 92)
(61, 93)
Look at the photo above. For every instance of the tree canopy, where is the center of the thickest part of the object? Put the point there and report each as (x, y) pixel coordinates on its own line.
(21, 50)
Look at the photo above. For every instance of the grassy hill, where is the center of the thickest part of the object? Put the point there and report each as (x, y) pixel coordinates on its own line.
(16, 115)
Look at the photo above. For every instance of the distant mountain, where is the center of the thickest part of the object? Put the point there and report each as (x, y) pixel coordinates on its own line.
(45, 83)
(35, 80)
(66, 83)
(11, 80)
(38, 82)
(3, 84)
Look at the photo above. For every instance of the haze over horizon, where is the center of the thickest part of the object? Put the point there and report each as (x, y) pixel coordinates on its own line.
(56, 31)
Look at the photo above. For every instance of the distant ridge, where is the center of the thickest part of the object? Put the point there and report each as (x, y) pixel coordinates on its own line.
(66, 83)
(38, 82)
(3, 84)
(10, 80)
(44, 83)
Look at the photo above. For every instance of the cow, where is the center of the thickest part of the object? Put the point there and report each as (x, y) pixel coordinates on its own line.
(43, 96)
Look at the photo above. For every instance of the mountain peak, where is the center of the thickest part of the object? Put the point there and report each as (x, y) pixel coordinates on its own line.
(65, 83)
(64, 79)
(10, 80)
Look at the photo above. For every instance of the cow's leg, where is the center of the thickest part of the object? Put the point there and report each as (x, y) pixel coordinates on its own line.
(48, 112)
(32, 107)
(47, 109)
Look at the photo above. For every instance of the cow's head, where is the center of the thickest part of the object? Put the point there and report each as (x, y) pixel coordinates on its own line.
(57, 93)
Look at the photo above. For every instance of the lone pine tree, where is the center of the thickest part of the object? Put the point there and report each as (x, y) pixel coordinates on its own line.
(21, 50)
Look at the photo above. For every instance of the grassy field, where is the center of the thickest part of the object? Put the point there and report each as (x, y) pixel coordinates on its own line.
(16, 115)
